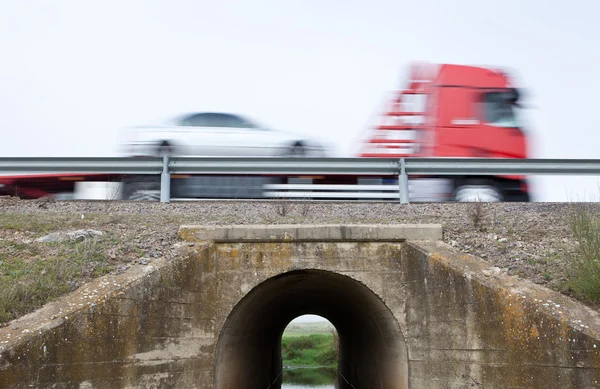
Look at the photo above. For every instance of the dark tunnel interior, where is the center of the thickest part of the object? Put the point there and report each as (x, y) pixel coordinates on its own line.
(372, 347)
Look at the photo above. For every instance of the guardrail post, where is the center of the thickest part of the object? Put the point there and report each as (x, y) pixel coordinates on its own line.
(165, 182)
(403, 182)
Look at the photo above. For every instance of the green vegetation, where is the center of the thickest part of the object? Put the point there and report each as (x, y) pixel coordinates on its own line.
(313, 350)
(40, 224)
(29, 279)
(33, 274)
(585, 280)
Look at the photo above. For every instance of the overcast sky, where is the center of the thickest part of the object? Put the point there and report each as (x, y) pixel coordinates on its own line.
(309, 319)
(73, 73)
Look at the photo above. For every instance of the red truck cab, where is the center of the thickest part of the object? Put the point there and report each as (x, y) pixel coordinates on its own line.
(455, 111)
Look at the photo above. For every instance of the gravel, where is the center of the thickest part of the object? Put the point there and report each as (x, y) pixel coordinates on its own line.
(531, 240)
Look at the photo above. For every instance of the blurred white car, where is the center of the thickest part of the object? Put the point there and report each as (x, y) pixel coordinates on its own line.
(210, 134)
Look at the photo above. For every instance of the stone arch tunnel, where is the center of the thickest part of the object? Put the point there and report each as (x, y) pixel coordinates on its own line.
(411, 313)
(372, 347)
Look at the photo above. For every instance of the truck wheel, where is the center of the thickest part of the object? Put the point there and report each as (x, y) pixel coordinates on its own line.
(142, 189)
(475, 191)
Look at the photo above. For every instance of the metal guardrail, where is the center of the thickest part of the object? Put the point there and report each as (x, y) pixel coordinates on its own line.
(81, 165)
(401, 167)
(284, 166)
(498, 166)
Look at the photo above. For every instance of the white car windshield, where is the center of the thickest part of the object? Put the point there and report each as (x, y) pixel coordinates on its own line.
(217, 120)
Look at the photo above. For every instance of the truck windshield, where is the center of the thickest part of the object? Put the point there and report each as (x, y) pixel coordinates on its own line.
(499, 110)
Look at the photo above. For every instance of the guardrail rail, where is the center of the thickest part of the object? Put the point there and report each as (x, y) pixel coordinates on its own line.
(400, 167)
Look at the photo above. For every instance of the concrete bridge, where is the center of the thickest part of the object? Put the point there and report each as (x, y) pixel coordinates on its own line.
(410, 313)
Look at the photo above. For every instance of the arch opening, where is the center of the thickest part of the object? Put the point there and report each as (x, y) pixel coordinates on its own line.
(372, 350)
(310, 353)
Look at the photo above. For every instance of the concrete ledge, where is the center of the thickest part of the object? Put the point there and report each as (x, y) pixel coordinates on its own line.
(311, 233)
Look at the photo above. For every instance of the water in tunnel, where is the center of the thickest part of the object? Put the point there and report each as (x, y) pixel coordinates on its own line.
(372, 350)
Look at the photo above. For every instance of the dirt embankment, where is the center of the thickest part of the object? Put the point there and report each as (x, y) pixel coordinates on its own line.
(532, 241)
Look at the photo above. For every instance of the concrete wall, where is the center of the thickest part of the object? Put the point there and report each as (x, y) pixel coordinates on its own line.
(412, 315)
(151, 328)
(466, 322)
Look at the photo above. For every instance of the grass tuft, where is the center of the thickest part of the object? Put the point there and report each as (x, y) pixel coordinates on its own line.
(585, 280)
(477, 214)
(283, 207)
